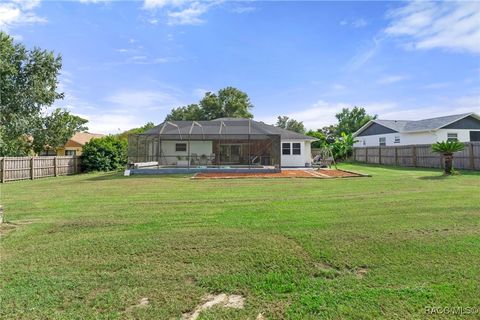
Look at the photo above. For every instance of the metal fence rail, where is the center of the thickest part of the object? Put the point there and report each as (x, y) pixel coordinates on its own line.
(418, 156)
(22, 168)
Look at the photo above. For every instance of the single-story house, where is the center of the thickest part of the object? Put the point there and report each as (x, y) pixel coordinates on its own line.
(232, 142)
(74, 146)
(461, 127)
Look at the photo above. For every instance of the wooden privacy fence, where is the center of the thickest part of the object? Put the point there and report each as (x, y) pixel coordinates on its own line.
(21, 168)
(418, 156)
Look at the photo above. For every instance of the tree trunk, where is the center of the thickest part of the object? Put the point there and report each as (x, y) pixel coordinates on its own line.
(448, 162)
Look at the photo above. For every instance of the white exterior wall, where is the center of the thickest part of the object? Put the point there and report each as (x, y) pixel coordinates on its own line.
(198, 147)
(297, 160)
(413, 138)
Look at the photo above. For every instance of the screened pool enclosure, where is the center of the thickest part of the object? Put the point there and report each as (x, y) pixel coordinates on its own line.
(217, 144)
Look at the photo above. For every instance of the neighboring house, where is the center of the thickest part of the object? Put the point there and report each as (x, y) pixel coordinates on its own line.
(461, 127)
(74, 145)
(225, 141)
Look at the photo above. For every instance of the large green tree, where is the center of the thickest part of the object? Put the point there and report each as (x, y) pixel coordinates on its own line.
(54, 130)
(28, 84)
(290, 124)
(191, 112)
(350, 121)
(124, 135)
(228, 102)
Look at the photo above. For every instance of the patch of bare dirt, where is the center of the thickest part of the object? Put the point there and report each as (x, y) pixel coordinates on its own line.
(7, 227)
(360, 272)
(144, 302)
(221, 300)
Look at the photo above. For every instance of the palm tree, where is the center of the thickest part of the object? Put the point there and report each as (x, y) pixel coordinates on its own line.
(447, 148)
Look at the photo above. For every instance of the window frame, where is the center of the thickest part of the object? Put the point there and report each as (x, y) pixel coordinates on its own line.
(384, 141)
(396, 139)
(74, 153)
(289, 148)
(296, 149)
(451, 138)
(180, 144)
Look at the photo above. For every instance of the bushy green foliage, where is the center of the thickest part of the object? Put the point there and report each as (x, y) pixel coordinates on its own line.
(104, 154)
(322, 138)
(28, 85)
(124, 135)
(350, 121)
(290, 124)
(342, 146)
(53, 130)
(229, 102)
(447, 147)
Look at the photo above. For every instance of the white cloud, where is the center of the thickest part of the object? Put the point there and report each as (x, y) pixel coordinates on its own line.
(158, 4)
(437, 85)
(180, 12)
(322, 113)
(108, 123)
(338, 87)
(359, 23)
(448, 25)
(241, 10)
(188, 16)
(392, 79)
(365, 55)
(127, 101)
(16, 13)
(200, 92)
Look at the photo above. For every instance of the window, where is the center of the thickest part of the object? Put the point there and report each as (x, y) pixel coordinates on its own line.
(382, 141)
(363, 142)
(179, 147)
(397, 139)
(296, 148)
(70, 152)
(452, 136)
(285, 148)
(474, 135)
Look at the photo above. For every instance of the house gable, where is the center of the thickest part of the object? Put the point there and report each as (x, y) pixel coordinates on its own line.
(466, 123)
(375, 129)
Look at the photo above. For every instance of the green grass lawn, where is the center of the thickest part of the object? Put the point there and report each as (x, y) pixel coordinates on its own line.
(91, 246)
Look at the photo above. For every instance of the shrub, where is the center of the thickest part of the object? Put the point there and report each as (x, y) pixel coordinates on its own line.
(104, 154)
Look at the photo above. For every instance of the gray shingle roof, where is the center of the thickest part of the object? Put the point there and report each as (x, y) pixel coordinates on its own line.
(419, 125)
(225, 126)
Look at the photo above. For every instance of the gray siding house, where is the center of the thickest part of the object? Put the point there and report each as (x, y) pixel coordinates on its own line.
(461, 127)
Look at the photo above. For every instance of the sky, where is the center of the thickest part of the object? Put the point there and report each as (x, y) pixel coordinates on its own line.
(129, 62)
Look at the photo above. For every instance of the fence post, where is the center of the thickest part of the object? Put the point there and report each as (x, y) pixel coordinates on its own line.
(379, 155)
(366, 155)
(354, 156)
(414, 155)
(396, 155)
(55, 167)
(3, 169)
(74, 164)
(32, 167)
(471, 156)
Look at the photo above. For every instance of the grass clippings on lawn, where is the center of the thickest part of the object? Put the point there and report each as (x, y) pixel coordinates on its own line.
(104, 246)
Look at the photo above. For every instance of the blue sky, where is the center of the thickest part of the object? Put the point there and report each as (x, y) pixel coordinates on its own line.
(126, 63)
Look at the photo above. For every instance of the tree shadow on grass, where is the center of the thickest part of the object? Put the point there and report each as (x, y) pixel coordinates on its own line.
(456, 174)
(441, 177)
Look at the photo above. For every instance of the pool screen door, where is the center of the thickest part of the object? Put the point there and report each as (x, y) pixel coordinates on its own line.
(230, 153)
